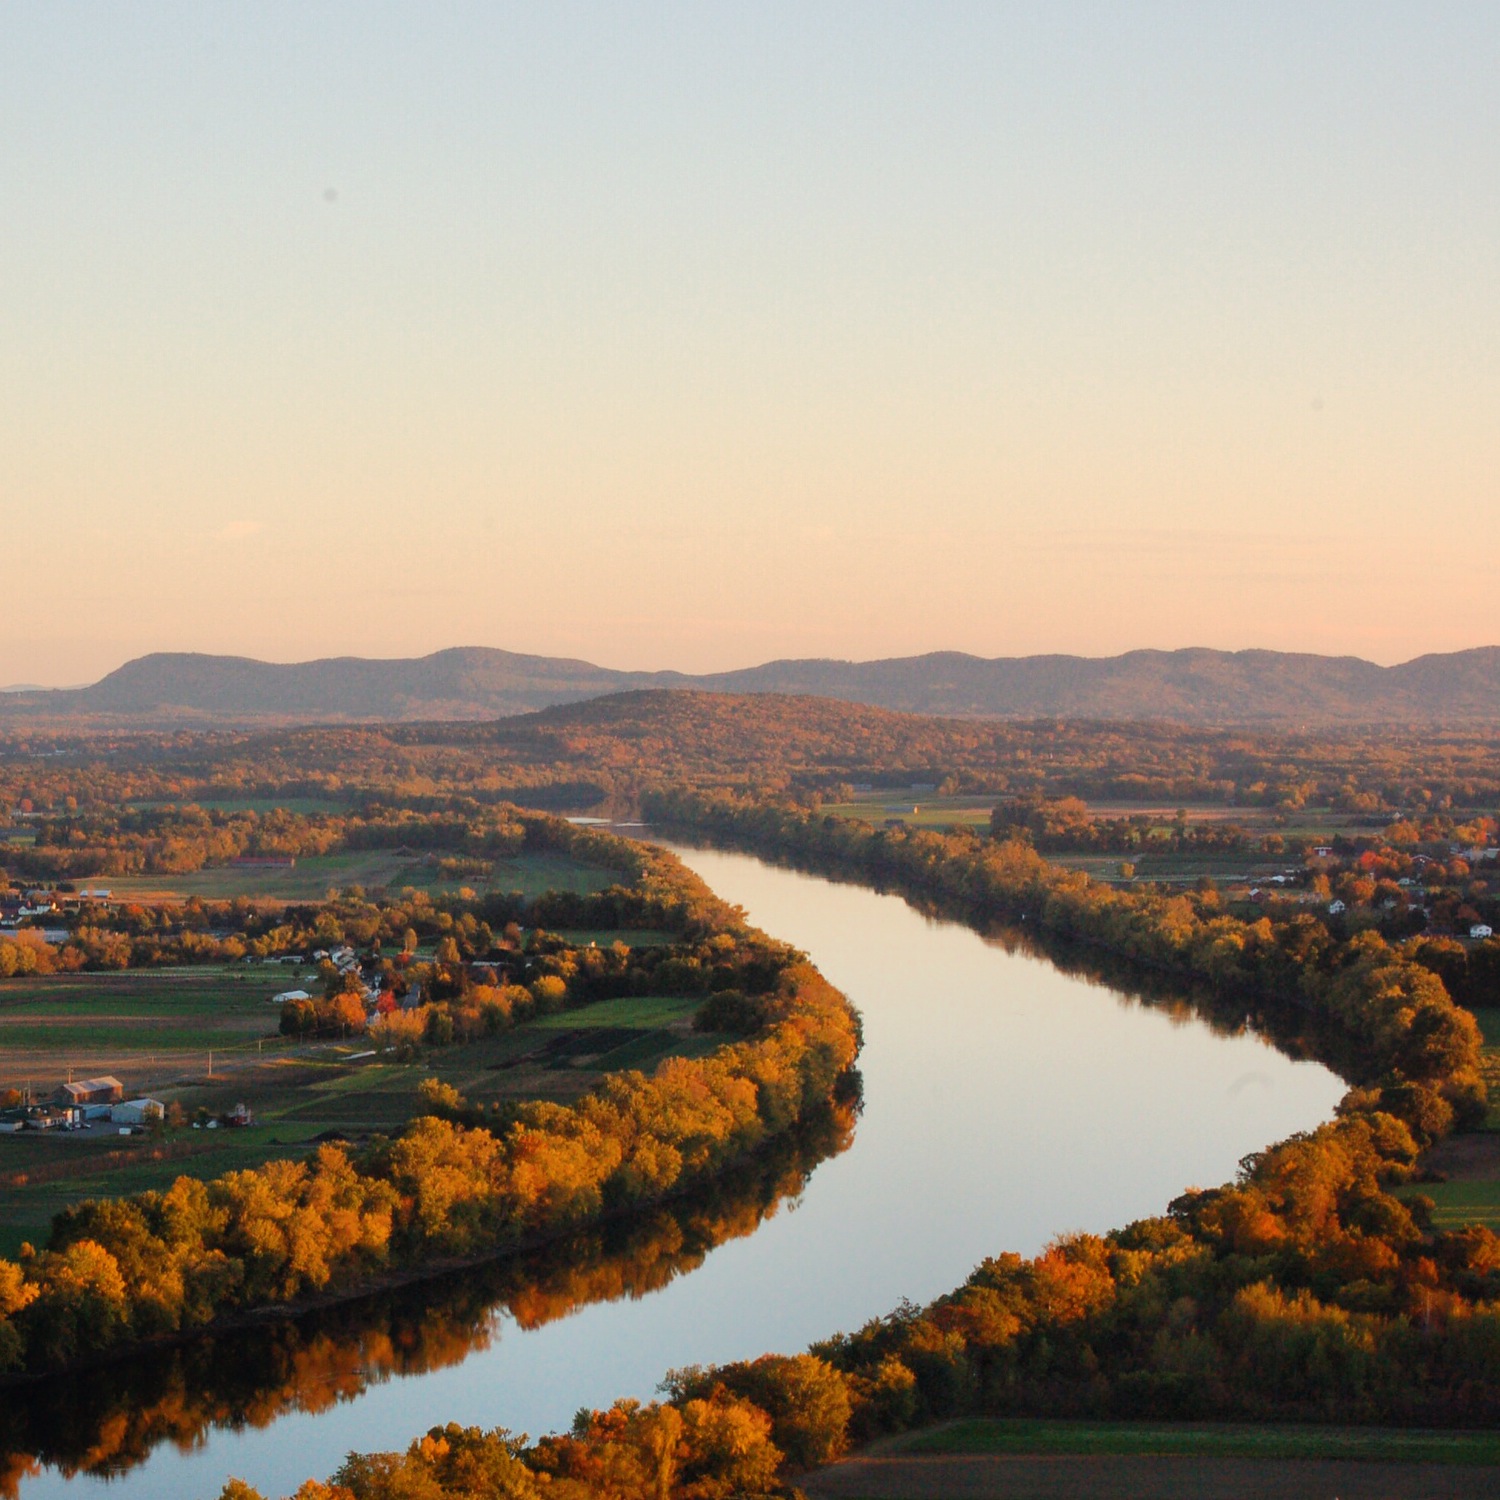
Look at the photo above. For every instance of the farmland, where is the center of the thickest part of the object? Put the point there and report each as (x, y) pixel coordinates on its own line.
(1031, 1459)
(148, 1027)
(205, 1036)
(153, 1031)
(311, 878)
(917, 808)
(1229, 1440)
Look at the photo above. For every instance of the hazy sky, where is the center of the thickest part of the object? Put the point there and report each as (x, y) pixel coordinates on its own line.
(696, 335)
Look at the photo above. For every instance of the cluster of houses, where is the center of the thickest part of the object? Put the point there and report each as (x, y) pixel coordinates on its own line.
(1479, 931)
(18, 907)
(345, 962)
(76, 1105)
(23, 906)
(370, 977)
(96, 1101)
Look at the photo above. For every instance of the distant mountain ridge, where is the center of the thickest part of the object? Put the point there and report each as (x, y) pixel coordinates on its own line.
(1192, 686)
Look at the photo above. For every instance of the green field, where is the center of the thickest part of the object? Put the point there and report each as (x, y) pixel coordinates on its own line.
(111, 1166)
(311, 879)
(1489, 1025)
(630, 1010)
(1205, 1440)
(532, 874)
(1460, 1203)
(632, 937)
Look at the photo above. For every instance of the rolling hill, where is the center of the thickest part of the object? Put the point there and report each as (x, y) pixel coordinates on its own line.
(1190, 686)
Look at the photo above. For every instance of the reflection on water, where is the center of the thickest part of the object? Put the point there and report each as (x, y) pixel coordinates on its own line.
(1006, 1099)
(105, 1424)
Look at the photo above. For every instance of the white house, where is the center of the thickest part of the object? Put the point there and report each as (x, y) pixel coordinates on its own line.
(137, 1111)
(1335, 907)
(286, 995)
(1481, 930)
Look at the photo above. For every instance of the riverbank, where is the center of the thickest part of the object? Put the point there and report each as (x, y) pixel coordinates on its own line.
(1384, 1021)
(837, 1120)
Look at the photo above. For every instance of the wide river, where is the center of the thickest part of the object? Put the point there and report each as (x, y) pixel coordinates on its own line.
(1004, 1103)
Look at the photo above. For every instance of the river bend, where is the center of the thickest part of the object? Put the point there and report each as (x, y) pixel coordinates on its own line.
(1005, 1102)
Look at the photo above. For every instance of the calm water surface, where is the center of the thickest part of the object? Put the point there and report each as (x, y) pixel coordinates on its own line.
(1005, 1103)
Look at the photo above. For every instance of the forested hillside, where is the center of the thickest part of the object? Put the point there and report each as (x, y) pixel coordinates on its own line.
(613, 748)
(1191, 686)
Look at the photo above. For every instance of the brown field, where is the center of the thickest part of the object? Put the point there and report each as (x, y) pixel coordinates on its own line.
(149, 1027)
(1029, 1459)
(1095, 1477)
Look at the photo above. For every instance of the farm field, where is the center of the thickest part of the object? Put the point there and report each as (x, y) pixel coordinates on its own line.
(931, 808)
(311, 879)
(147, 1026)
(1230, 1440)
(632, 937)
(300, 1092)
(1177, 869)
(1471, 1162)
(1049, 1460)
(286, 803)
(1462, 1201)
(920, 809)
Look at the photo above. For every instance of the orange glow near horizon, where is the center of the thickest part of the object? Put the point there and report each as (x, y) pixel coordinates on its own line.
(702, 338)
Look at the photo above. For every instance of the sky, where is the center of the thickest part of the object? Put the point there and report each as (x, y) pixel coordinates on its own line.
(697, 335)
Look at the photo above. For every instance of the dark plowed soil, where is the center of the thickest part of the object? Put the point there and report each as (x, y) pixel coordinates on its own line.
(1467, 1158)
(1050, 1477)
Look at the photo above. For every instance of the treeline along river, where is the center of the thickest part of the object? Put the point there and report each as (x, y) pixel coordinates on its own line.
(1004, 1102)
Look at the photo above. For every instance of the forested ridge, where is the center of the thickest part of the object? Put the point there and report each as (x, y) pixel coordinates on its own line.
(614, 748)
(1312, 1287)
(479, 682)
